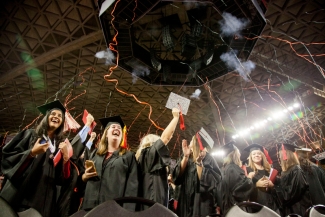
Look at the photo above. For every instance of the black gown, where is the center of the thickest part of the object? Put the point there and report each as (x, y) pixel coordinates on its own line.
(260, 195)
(235, 187)
(153, 162)
(197, 197)
(35, 185)
(293, 191)
(316, 181)
(118, 177)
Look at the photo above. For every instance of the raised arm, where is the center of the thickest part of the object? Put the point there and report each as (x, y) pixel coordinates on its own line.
(169, 131)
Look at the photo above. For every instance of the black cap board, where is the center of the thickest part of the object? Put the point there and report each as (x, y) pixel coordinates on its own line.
(106, 122)
(52, 105)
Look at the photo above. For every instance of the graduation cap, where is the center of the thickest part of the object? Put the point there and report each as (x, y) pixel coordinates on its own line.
(286, 146)
(254, 147)
(229, 147)
(52, 105)
(320, 157)
(206, 139)
(106, 122)
(304, 149)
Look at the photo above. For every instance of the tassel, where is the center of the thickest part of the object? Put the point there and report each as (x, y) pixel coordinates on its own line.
(266, 153)
(181, 121)
(70, 123)
(284, 153)
(199, 141)
(124, 139)
(181, 118)
(245, 169)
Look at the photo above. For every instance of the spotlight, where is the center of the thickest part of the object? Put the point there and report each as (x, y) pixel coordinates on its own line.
(207, 59)
(290, 108)
(269, 119)
(167, 38)
(188, 46)
(218, 153)
(296, 105)
(154, 61)
(285, 110)
(252, 127)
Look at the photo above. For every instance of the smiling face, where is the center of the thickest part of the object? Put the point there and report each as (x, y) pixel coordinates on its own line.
(55, 119)
(256, 156)
(114, 134)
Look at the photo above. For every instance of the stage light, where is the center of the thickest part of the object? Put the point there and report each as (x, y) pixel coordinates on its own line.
(290, 108)
(188, 46)
(269, 119)
(167, 38)
(154, 61)
(218, 153)
(252, 127)
(296, 105)
(285, 110)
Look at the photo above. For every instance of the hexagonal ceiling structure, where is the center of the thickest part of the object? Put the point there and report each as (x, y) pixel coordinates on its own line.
(178, 42)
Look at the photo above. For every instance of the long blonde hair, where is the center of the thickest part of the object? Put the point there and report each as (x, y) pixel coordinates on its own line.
(103, 144)
(233, 157)
(292, 160)
(146, 141)
(265, 163)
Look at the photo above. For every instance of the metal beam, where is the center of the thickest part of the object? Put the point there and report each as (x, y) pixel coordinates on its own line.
(52, 54)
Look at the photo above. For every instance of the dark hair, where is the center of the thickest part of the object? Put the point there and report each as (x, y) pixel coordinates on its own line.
(44, 124)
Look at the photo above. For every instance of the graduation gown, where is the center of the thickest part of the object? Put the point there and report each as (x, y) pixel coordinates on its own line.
(293, 191)
(316, 181)
(196, 197)
(260, 195)
(235, 187)
(30, 182)
(153, 161)
(117, 178)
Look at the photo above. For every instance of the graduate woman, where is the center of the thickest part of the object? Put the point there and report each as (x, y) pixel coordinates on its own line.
(27, 163)
(153, 157)
(315, 176)
(293, 190)
(235, 186)
(116, 172)
(259, 170)
(198, 174)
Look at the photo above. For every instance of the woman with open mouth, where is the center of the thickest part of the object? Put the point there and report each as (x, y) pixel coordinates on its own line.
(112, 172)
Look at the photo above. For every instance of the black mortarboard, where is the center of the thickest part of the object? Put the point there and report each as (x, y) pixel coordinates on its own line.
(106, 122)
(52, 105)
(320, 157)
(229, 147)
(254, 147)
(289, 147)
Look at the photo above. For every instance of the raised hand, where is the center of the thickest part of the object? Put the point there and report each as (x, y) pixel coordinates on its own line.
(186, 149)
(90, 119)
(175, 112)
(39, 148)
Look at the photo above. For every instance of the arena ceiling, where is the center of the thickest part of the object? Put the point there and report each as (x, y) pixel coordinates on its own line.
(48, 48)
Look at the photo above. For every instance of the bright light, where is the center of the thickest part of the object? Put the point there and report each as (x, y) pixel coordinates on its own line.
(285, 110)
(256, 125)
(218, 153)
(234, 137)
(269, 118)
(290, 108)
(264, 121)
(296, 105)
(277, 115)
(252, 128)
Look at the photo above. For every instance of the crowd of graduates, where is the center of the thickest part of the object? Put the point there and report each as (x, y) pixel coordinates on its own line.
(86, 175)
